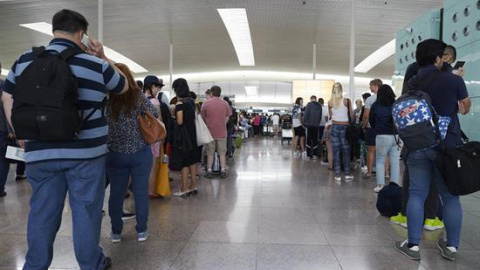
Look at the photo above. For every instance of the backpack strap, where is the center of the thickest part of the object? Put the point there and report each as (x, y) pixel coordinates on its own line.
(68, 53)
(425, 82)
(38, 51)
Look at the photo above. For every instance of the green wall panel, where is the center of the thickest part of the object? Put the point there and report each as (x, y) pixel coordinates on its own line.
(461, 22)
(407, 38)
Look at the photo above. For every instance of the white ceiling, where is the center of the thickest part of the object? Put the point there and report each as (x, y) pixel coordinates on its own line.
(283, 31)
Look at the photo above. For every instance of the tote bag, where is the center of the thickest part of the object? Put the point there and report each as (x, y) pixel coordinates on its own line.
(162, 185)
(203, 134)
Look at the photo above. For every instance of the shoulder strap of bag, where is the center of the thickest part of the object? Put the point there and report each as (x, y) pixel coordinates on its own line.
(348, 111)
(70, 52)
(428, 80)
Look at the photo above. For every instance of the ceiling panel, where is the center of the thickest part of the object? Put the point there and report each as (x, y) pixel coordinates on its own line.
(283, 31)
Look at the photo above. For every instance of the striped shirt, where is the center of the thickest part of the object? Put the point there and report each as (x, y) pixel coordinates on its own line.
(95, 79)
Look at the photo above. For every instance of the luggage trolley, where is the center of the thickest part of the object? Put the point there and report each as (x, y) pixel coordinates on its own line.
(287, 132)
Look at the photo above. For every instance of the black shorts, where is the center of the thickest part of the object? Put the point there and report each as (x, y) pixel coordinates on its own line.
(370, 137)
(300, 131)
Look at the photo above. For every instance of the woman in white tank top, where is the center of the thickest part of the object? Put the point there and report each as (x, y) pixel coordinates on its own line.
(339, 109)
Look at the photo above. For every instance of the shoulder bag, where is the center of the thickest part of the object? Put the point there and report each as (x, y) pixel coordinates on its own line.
(460, 168)
(151, 128)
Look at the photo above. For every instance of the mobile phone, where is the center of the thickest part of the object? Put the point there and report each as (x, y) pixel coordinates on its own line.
(85, 41)
(459, 64)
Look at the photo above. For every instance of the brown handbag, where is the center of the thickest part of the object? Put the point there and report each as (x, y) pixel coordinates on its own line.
(152, 129)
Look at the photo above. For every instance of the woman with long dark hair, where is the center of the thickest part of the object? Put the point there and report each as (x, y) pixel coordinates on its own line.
(184, 147)
(129, 156)
(386, 142)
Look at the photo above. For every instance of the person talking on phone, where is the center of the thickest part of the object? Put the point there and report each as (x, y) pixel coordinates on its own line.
(76, 166)
(449, 57)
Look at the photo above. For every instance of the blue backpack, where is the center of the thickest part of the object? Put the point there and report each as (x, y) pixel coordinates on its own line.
(415, 118)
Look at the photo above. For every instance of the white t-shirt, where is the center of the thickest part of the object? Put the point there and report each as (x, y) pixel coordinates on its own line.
(369, 102)
(296, 113)
(323, 122)
(275, 119)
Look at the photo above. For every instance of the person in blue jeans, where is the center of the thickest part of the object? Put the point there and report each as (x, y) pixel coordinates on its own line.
(340, 111)
(448, 95)
(75, 166)
(129, 156)
(387, 141)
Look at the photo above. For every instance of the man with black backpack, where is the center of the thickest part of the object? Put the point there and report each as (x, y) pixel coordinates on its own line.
(447, 94)
(64, 157)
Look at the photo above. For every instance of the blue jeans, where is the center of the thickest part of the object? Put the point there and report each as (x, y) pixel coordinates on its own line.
(387, 145)
(341, 148)
(119, 169)
(50, 180)
(421, 165)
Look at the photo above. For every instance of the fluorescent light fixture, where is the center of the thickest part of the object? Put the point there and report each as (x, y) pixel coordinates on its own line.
(236, 22)
(4, 72)
(251, 90)
(46, 28)
(376, 57)
(41, 27)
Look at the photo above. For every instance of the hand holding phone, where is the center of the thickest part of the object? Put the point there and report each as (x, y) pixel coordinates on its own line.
(96, 48)
(459, 64)
(86, 41)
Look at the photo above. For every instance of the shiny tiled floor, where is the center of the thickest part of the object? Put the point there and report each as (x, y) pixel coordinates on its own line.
(272, 212)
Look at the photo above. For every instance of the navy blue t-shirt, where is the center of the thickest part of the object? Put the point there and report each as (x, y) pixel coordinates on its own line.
(445, 91)
(381, 119)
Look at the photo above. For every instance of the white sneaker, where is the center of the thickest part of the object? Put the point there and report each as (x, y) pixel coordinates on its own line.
(338, 178)
(304, 155)
(348, 178)
(364, 169)
(378, 188)
(297, 154)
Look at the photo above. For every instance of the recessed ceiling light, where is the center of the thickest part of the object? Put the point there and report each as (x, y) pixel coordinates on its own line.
(4, 72)
(236, 22)
(376, 57)
(115, 56)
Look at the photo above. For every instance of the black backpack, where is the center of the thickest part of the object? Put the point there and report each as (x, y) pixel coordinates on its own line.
(45, 101)
(389, 201)
(166, 118)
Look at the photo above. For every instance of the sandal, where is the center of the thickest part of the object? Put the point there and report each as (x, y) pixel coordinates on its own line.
(180, 193)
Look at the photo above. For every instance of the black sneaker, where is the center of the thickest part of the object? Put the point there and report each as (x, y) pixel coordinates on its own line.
(412, 253)
(449, 253)
(223, 174)
(209, 174)
(127, 216)
(3, 194)
(108, 263)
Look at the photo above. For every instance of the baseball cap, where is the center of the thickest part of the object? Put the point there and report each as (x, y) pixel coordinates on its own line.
(150, 79)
